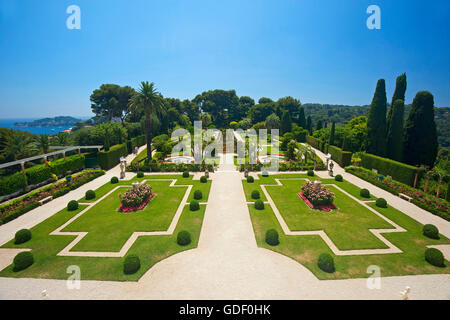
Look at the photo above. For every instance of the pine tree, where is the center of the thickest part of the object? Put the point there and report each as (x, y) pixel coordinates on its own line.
(332, 133)
(309, 124)
(394, 139)
(420, 143)
(301, 120)
(286, 122)
(376, 122)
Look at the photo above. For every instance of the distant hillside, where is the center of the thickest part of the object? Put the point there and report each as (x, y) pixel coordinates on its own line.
(50, 122)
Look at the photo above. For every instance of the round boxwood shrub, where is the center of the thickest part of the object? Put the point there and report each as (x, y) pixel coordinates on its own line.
(194, 206)
(140, 174)
(131, 264)
(23, 260)
(272, 237)
(434, 257)
(185, 174)
(326, 263)
(310, 173)
(430, 231)
(72, 205)
(265, 173)
(250, 179)
(114, 180)
(255, 194)
(382, 203)
(364, 193)
(22, 236)
(259, 205)
(198, 195)
(203, 179)
(183, 238)
(338, 178)
(90, 194)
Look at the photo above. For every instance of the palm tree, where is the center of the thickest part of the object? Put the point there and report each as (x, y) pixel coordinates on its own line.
(151, 100)
(16, 146)
(41, 143)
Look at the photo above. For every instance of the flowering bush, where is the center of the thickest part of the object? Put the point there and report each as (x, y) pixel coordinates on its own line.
(135, 199)
(317, 196)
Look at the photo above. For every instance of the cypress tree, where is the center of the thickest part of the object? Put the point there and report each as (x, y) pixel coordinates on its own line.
(319, 125)
(301, 120)
(420, 142)
(376, 122)
(399, 94)
(394, 139)
(286, 122)
(332, 133)
(309, 124)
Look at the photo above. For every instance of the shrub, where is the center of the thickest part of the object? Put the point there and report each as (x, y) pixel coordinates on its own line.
(90, 194)
(430, 231)
(203, 179)
(194, 206)
(255, 194)
(183, 238)
(338, 178)
(12, 183)
(110, 158)
(364, 193)
(23, 260)
(310, 173)
(434, 257)
(185, 174)
(140, 174)
(114, 180)
(343, 158)
(272, 237)
(250, 179)
(259, 205)
(22, 236)
(326, 263)
(38, 174)
(72, 163)
(131, 264)
(72, 205)
(265, 173)
(198, 195)
(382, 203)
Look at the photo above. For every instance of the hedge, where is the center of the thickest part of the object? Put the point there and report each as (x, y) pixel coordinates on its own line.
(397, 170)
(137, 142)
(72, 163)
(170, 167)
(313, 142)
(109, 159)
(22, 261)
(38, 174)
(12, 183)
(343, 158)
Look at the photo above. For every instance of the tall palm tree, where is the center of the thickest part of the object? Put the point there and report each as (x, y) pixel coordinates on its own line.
(150, 99)
(16, 146)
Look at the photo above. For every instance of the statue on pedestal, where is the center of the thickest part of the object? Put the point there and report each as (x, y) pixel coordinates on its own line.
(330, 171)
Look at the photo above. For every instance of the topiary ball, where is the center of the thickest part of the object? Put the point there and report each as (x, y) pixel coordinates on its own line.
(194, 206)
(250, 179)
(140, 174)
(198, 195)
(272, 237)
(183, 238)
(430, 231)
(434, 257)
(265, 174)
(90, 194)
(310, 173)
(23, 260)
(326, 263)
(364, 193)
(72, 205)
(255, 194)
(259, 205)
(203, 179)
(114, 180)
(338, 178)
(185, 174)
(382, 203)
(131, 264)
(22, 236)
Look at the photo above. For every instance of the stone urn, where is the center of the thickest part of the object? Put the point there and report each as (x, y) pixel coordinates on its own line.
(135, 185)
(317, 184)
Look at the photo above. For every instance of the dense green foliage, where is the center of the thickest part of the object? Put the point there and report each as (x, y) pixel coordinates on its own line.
(203, 179)
(364, 193)
(109, 159)
(198, 194)
(72, 205)
(326, 263)
(131, 264)
(185, 174)
(12, 183)
(344, 158)
(380, 202)
(394, 139)
(22, 236)
(434, 257)
(23, 260)
(272, 237)
(376, 121)
(114, 180)
(255, 194)
(259, 204)
(183, 238)
(194, 205)
(339, 178)
(430, 231)
(90, 194)
(250, 179)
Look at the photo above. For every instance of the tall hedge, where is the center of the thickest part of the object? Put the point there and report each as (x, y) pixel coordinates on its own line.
(72, 163)
(343, 158)
(12, 183)
(109, 159)
(397, 170)
(38, 173)
(313, 142)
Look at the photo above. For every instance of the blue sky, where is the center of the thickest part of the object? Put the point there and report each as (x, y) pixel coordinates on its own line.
(316, 51)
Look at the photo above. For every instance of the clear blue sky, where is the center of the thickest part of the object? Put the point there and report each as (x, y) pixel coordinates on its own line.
(316, 51)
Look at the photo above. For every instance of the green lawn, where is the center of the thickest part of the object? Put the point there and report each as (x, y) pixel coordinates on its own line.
(348, 229)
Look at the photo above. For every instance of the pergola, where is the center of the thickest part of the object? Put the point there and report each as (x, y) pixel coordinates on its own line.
(60, 150)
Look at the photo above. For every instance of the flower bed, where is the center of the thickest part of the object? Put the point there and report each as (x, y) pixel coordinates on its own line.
(317, 197)
(135, 199)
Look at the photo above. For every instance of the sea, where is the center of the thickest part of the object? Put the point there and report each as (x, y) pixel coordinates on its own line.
(9, 123)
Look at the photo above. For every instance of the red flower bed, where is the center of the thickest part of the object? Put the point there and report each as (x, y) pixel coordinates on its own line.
(323, 207)
(135, 199)
(124, 209)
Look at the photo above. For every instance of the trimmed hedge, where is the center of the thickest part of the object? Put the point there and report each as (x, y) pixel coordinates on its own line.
(313, 142)
(272, 237)
(259, 204)
(397, 170)
(430, 231)
(90, 194)
(131, 264)
(250, 179)
(114, 180)
(109, 159)
(382, 203)
(185, 174)
(339, 178)
(203, 179)
(140, 174)
(183, 238)
(38, 174)
(364, 193)
(343, 158)
(12, 183)
(22, 236)
(310, 173)
(198, 194)
(255, 194)
(194, 205)
(72, 163)
(72, 205)
(170, 167)
(23, 260)
(434, 257)
(326, 263)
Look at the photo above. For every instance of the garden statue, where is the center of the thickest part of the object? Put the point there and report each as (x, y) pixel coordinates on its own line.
(44, 294)
(245, 170)
(122, 167)
(207, 173)
(330, 171)
(405, 293)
